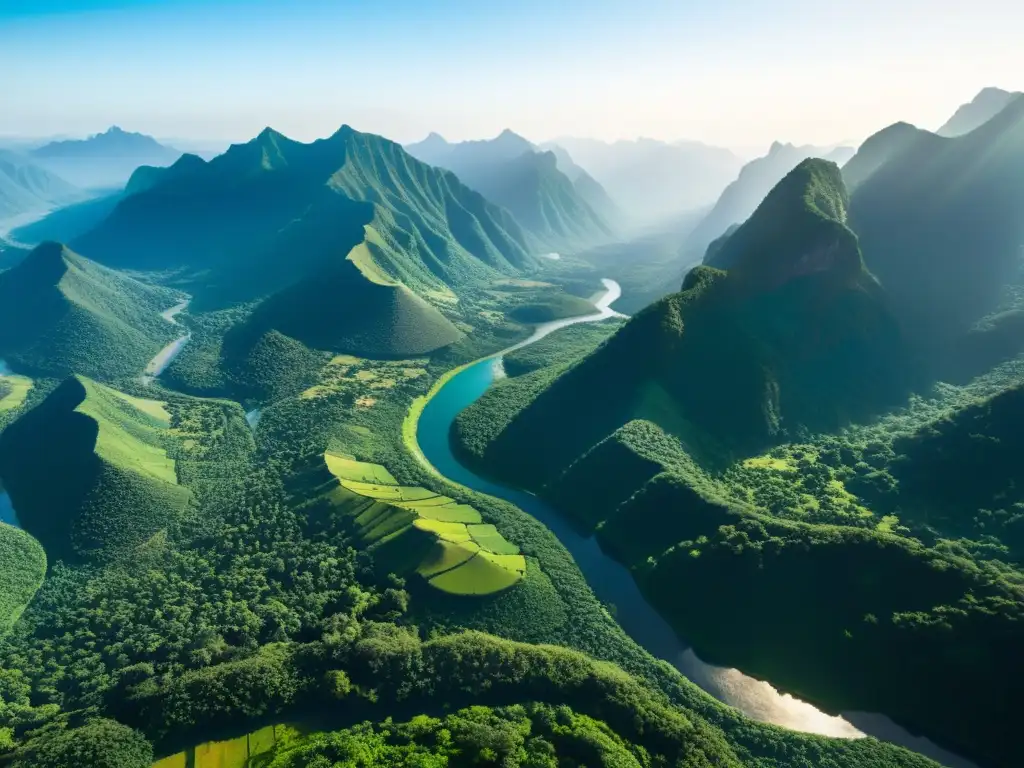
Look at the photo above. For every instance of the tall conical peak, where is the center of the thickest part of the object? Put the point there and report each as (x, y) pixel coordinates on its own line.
(45, 265)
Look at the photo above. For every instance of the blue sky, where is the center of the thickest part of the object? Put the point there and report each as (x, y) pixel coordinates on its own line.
(739, 73)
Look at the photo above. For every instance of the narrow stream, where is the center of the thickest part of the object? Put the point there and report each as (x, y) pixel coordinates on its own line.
(613, 583)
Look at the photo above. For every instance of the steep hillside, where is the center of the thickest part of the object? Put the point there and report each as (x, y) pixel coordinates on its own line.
(861, 559)
(940, 226)
(270, 212)
(987, 104)
(797, 333)
(533, 185)
(22, 568)
(741, 198)
(104, 160)
(61, 313)
(88, 471)
(653, 180)
(880, 148)
(379, 317)
(26, 188)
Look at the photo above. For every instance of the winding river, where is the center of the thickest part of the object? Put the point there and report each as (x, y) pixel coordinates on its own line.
(613, 583)
(166, 355)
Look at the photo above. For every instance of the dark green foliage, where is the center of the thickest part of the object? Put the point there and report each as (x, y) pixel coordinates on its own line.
(963, 474)
(267, 213)
(594, 486)
(66, 471)
(61, 313)
(866, 619)
(534, 735)
(556, 307)
(22, 568)
(339, 309)
(796, 334)
(742, 197)
(273, 367)
(940, 226)
(564, 345)
(99, 743)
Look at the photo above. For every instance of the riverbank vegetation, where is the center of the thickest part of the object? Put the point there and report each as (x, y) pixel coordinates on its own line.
(760, 424)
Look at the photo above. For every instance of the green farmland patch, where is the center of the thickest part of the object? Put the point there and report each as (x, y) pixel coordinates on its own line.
(13, 391)
(412, 529)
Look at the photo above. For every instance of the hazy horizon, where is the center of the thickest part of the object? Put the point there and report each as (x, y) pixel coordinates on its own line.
(738, 77)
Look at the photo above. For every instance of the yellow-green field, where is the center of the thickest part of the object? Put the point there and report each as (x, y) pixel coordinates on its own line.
(129, 437)
(363, 377)
(15, 397)
(466, 557)
(234, 753)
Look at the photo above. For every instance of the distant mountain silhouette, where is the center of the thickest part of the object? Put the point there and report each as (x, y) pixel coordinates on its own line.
(27, 188)
(105, 160)
(940, 223)
(982, 108)
(756, 179)
(654, 180)
(553, 198)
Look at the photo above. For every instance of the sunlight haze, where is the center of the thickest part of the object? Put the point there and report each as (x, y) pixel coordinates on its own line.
(740, 74)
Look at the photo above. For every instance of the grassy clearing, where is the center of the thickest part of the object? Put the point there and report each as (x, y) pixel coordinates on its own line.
(242, 752)
(129, 437)
(393, 516)
(154, 408)
(346, 468)
(15, 389)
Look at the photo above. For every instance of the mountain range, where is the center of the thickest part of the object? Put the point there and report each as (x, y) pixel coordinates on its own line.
(742, 196)
(105, 160)
(987, 104)
(653, 180)
(702, 441)
(26, 188)
(552, 197)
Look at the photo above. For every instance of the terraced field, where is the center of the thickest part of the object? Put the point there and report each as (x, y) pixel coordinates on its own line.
(415, 529)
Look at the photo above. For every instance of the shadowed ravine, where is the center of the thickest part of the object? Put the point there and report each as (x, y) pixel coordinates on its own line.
(613, 584)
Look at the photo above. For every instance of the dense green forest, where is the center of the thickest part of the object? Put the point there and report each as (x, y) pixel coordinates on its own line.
(250, 544)
(61, 314)
(773, 429)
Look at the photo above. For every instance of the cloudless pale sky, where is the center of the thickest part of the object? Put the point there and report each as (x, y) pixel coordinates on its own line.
(737, 73)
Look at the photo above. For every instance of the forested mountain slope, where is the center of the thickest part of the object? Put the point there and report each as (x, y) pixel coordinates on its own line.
(742, 197)
(61, 313)
(832, 548)
(563, 211)
(268, 213)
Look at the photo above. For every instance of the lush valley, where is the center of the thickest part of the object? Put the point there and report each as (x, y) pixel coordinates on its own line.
(227, 546)
(861, 556)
